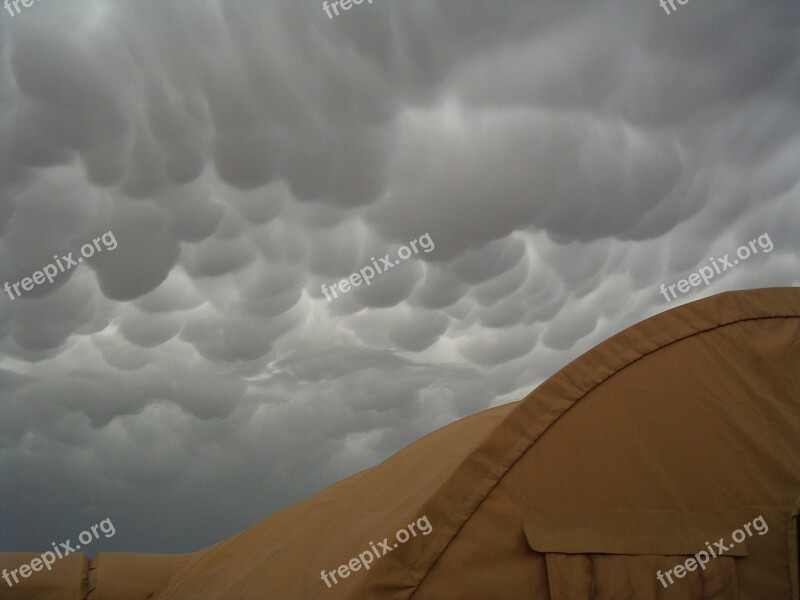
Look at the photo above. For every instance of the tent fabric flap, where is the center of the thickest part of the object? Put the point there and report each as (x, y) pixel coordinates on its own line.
(624, 531)
(606, 553)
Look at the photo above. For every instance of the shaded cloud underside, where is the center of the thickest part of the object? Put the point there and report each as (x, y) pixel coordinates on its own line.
(565, 158)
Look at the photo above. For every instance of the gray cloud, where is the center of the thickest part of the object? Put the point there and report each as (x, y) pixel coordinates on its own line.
(566, 160)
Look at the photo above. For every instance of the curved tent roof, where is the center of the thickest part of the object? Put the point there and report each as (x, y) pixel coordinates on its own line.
(684, 426)
(671, 435)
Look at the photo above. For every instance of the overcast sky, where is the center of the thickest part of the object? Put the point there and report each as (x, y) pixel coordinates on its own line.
(565, 159)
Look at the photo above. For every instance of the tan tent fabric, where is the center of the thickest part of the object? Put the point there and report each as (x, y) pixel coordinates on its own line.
(108, 576)
(668, 436)
(65, 580)
(128, 576)
(694, 413)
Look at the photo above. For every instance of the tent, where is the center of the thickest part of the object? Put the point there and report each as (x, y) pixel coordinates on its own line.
(664, 463)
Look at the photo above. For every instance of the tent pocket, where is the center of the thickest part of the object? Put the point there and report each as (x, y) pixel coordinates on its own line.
(615, 554)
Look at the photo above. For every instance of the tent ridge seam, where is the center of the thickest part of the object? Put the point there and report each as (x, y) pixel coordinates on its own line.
(510, 418)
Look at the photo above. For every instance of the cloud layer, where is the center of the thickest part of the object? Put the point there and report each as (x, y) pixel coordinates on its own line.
(566, 159)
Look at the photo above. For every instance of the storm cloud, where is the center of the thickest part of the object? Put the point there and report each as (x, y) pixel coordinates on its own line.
(566, 159)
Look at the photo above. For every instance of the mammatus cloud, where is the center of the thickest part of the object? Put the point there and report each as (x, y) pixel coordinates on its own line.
(565, 160)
